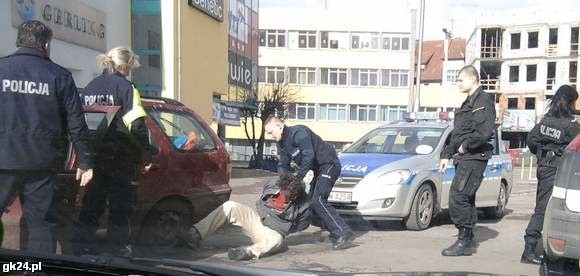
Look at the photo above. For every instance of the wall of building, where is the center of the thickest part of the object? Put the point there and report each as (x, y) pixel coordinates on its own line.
(202, 58)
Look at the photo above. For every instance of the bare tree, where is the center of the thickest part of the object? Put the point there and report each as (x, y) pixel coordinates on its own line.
(272, 100)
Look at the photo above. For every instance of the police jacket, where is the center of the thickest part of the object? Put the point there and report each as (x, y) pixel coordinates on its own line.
(115, 90)
(295, 218)
(472, 128)
(548, 139)
(39, 108)
(306, 149)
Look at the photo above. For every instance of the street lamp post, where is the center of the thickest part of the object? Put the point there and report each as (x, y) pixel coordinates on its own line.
(419, 58)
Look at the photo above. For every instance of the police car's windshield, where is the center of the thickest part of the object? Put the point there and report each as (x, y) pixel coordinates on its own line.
(396, 140)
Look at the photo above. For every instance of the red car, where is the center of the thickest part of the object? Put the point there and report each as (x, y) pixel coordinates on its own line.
(189, 177)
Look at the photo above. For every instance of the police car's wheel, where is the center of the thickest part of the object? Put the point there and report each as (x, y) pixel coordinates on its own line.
(498, 211)
(165, 222)
(422, 209)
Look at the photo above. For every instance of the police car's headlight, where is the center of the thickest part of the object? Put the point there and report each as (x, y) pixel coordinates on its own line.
(395, 177)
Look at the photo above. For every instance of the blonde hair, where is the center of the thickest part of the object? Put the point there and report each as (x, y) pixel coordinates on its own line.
(120, 59)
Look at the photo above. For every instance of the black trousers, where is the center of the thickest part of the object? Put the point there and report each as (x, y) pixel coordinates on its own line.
(546, 176)
(36, 191)
(325, 176)
(466, 182)
(114, 191)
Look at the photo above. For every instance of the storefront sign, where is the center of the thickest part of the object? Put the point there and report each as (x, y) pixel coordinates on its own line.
(70, 21)
(518, 120)
(229, 115)
(213, 8)
(240, 70)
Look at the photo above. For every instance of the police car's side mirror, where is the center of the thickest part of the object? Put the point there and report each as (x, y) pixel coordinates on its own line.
(424, 149)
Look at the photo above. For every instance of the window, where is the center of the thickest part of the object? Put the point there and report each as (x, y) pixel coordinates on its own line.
(452, 75)
(391, 113)
(551, 75)
(301, 111)
(573, 71)
(271, 74)
(386, 43)
(302, 75)
(365, 41)
(301, 39)
(363, 113)
(333, 76)
(405, 43)
(553, 36)
(512, 103)
(332, 112)
(177, 125)
(515, 41)
(334, 40)
(531, 71)
(146, 36)
(530, 103)
(394, 43)
(276, 38)
(514, 73)
(396, 140)
(263, 38)
(532, 39)
(574, 41)
(364, 77)
(394, 78)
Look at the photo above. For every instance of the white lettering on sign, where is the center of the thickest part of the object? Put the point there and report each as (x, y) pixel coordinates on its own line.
(354, 168)
(25, 87)
(550, 132)
(214, 8)
(99, 100)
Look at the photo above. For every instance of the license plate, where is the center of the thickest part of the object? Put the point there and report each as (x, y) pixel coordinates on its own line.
(340, 197)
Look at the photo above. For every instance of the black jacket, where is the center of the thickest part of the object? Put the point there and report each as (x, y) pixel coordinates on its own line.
(115, 90)
(295, 218)
(550, 136)
(39, 108)
(473, 128)
(305, 148)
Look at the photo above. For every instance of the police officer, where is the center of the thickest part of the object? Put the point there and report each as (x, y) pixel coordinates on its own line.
(39, 106)
(468, 146)
(120, 157)
(302, 148)
(547, 141)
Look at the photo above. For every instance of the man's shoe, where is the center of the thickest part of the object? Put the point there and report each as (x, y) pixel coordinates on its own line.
(463, 246)
(191, 238)
(240, 254)
(529, 255)
(343, 242)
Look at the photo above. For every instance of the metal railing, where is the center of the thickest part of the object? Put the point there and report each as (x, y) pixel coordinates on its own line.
(550, 83)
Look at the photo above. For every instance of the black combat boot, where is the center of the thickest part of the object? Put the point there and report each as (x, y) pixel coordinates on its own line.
(463, 246)
(529, 256)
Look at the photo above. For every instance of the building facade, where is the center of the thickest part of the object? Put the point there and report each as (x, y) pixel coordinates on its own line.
(523, 62)
(82, 30)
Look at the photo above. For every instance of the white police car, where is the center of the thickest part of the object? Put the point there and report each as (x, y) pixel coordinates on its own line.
(391, 173)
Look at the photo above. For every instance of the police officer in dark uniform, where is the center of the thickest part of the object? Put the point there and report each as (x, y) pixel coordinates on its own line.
(302, 148)
(468, 146)
(547, 141)
(39, 107)
(120, 157)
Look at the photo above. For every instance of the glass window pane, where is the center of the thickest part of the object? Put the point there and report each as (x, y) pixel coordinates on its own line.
(342, 114)
(323, 39)
(364, 79)
(280, 76)
(395, 79)
(324, 76)
(354, 77)
(332, 114)
(362, 114)
(261, 74)
(404, 79)
(312, 77)
(312, 41)
(271, 40)
(373, 79)
(293, 72)
(355, 42)
(311, 111)
(375, 42)
(322, 112)
(301, 113)
(386, 43)
(262, 38)
(333, 78)
(396, 43)
(405, 43)
(271, 76)
(281, 40)
(342, 80)
(372, 114)
(385, 77)
(353, 114)
(292, 111)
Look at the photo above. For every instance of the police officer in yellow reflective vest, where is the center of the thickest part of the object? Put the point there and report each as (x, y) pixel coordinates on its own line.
(122, 155)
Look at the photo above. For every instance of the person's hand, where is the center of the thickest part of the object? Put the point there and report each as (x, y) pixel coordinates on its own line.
(461, 150)
(146, 169)
(443, 165)
(85, 176)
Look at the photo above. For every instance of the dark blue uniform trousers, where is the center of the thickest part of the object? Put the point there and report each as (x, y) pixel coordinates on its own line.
(325, 177)
(36, 191)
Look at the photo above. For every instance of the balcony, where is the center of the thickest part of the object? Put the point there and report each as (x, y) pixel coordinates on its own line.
(490, 52)
(552, 50)
(490, 85)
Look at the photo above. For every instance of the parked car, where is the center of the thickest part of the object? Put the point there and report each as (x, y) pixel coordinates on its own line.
(189, 177)
(391, 173)
(561, 237)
